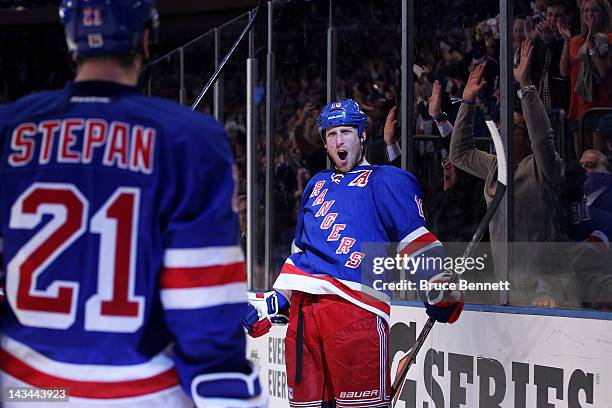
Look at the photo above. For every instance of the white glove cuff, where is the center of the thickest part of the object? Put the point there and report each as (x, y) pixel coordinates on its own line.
(246, 385)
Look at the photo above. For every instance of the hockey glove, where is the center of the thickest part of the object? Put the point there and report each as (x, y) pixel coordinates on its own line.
(443, 305)
(265, 309)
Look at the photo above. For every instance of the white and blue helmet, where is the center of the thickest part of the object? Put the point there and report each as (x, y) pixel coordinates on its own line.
(346, 112)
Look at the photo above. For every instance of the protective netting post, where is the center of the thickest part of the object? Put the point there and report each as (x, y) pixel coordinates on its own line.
(270, 131)
(506, 209)
(407, 85)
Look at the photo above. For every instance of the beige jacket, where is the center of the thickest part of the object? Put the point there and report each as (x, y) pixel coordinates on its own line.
(537, 178)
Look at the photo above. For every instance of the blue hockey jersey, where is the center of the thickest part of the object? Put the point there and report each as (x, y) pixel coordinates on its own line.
(339, 215)
(591, 206)
(120, 239)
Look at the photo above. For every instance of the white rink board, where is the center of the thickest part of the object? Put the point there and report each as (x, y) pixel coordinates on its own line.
(545, 361)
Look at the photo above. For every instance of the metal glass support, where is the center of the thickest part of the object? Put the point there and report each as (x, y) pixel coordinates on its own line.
(332, 48)
(406, 84)
(251, 160)
(269, 147)
(505, 265)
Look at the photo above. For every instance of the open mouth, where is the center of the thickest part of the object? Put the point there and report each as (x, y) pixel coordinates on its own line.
(342, 154)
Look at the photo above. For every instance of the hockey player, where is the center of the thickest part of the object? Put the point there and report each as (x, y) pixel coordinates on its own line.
(337, 339)
(120, 237)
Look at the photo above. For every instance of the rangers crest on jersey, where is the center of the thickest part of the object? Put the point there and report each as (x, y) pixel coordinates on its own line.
(337, 177)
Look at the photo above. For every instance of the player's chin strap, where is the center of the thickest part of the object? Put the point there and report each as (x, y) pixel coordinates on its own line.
(362, 140)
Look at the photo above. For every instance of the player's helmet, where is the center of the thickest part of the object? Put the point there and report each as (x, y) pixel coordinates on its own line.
(106, 27)
(345, 112)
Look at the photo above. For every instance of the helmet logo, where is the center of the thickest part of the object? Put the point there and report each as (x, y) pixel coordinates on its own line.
(92, 17)
(95, 40)
(336, 105)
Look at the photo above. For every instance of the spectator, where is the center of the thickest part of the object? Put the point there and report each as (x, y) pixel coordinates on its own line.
(591, 227)
(434, 111)
(538, 7)
(552, 87)
(518, 36)
(594, 161)
(455, 207)
(589, 196)
(537, 177)
(585, 60)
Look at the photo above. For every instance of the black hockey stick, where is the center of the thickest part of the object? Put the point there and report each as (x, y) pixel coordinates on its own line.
(217, 72)
(502, 181)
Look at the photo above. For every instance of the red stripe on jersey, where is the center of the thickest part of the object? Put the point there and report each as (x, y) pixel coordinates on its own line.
(176, 278)
(419, 243)
(88, 389)
(355, 294)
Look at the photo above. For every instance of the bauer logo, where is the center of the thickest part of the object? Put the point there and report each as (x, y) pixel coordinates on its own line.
(358, 394)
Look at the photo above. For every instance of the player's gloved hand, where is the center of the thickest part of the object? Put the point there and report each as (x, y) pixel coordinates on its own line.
(442, 305)
(265, 309)
(253, 325)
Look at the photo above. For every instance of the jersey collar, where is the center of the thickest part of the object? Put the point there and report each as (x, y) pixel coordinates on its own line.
(99, 88)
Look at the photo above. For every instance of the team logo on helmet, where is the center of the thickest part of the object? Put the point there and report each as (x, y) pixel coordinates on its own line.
(95, 40)
(107, 27)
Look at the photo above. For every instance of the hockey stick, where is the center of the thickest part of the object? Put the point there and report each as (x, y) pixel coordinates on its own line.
(217, 72)
(502, 181)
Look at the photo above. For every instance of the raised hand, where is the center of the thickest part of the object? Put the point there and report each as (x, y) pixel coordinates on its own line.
(563, 30)
(474, 84)
(589, 38)
(521, 73)
(390, 125)
(435, 100)
(544, 32)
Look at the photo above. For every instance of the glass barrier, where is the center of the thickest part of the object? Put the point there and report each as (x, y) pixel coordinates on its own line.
(233, 79)
(233, 83)
(299, 94)
(450, 39)
(260, 47)
(369, 63)
(199, 65)
(162, 77)
(562, 178)
(560, 228)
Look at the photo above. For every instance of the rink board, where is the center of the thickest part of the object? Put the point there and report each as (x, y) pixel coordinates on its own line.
(486, 359)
